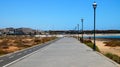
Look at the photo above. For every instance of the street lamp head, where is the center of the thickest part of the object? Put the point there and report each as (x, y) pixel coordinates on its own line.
(94, 5)
(82, 20)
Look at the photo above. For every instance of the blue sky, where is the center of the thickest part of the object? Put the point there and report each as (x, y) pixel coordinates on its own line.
(59, 14)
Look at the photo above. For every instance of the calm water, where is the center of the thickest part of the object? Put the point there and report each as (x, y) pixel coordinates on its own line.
(107, 37)
(113, 37)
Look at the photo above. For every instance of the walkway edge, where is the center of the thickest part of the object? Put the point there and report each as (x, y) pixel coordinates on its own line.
(47, 43)
(115, 63)
(108, 59)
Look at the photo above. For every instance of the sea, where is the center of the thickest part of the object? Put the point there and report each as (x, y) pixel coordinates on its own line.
(109, 37)
(106, 37)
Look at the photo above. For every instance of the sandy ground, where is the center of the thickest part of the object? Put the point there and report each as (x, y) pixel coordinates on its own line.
(106, 49)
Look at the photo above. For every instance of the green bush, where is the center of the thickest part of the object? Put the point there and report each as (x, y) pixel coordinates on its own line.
(89, 43)
(91, 46)
(114, 57)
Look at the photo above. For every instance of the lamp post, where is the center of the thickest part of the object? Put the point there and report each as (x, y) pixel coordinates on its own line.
(75, 30)
(78, 31)
(94, 6)
(82, 29)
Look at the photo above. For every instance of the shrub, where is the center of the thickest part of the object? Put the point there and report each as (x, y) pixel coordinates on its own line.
(113, 43)
(21, 42)
(91, 46)
(4, 44)
(37, 40)
(114, 57)
(87, 41)
(3, 52)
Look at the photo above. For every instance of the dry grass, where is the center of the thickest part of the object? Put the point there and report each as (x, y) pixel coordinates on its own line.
(113, 43)
(14, 43)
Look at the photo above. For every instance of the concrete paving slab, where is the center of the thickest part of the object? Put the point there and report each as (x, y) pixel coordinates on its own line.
(66, 52)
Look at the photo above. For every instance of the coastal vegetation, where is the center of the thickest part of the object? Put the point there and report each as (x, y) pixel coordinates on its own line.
(112, 43)
(11, 44)
(114, 57)
(89, 44)
(109, 47)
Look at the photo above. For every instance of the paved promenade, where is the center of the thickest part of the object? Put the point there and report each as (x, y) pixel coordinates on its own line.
(66, 52)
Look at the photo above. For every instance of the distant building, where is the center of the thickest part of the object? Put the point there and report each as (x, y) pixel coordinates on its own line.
(18, 31)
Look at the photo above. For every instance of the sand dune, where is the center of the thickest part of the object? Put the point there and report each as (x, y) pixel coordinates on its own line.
(106, 49)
